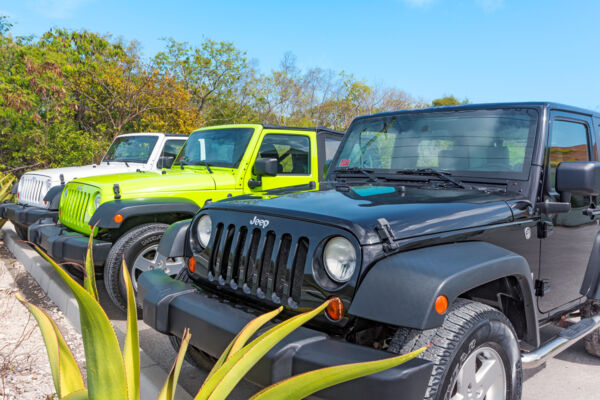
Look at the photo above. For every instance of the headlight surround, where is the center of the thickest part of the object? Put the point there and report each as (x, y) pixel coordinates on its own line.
(48, 185)
(97, 201)
(204, 230)
(339, 259)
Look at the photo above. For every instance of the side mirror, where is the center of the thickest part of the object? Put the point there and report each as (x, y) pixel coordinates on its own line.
(578, 177)
(165, 162)
(266, 167)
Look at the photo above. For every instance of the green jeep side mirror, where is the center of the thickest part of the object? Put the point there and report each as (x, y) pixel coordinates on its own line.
(266, 167)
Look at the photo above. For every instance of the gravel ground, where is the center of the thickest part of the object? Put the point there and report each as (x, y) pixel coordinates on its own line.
(24, 368)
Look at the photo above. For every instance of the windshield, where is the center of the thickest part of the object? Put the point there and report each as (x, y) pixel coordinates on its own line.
(135, 149)
(481, 143)
(217, 147)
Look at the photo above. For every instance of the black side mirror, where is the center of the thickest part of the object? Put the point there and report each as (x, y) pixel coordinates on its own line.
(165, 162)
(266, 167)
(578, 177)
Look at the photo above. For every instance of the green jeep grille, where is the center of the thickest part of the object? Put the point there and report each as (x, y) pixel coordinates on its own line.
(76, 206)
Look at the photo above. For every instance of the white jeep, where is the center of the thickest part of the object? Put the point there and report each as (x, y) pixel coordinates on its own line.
(38, 192)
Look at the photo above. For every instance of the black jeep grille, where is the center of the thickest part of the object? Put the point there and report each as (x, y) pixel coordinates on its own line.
(259, 262)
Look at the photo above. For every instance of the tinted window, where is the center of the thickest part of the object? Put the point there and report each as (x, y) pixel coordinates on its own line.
(218, 147)
(172, 148)
(331, 146)
(131, 149)
(569, 142)
(471, 143)
(291, 151)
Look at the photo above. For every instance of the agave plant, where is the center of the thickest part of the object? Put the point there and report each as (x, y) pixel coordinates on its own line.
(6, 182)
(115, 374)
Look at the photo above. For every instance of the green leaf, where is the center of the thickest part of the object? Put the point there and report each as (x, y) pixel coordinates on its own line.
(80, 395)
(245, 334)
(131, 347)
(104, 362)
(222, 382)
(89, 280)
(65, 371)
(303, 385)
(168, 390)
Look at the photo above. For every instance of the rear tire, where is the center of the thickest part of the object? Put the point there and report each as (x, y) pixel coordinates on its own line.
(592, 341)
(129, 246)
(21, 231)
(193, 355)
(475, 354)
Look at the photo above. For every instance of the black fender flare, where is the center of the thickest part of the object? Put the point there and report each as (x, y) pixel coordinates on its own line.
(401, 289)
(104, 216)
(590, 286)
(174, 241)
(53, 197)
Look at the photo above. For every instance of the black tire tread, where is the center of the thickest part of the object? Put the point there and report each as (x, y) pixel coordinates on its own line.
(112, 266)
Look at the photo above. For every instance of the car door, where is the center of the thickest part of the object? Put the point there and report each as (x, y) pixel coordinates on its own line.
(565, 252)
(293, 152)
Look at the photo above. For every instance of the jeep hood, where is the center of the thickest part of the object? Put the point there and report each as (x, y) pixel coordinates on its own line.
(156, 183)
(70, 173)
(410, 212)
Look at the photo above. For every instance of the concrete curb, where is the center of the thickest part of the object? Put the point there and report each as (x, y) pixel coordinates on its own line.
(152, 375)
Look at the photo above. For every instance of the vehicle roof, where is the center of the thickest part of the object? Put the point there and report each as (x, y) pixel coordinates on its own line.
(318, 129)
(182, 135)
(536, 104)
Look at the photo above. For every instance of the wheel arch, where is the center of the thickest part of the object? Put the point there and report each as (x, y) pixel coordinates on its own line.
(401, 289)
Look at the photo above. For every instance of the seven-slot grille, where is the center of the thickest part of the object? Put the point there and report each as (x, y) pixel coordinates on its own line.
(32, 190)
(259, 262)
(74, 204)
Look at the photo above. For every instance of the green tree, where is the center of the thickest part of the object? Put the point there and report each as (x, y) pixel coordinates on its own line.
(448, 101)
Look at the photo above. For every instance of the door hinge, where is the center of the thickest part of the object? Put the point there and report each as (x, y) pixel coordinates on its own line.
(544, 229)
(387, 235)
(542, 286)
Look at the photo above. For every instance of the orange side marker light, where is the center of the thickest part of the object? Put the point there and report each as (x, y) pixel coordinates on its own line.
(335, 309)
(441, 304)
(192, 264)
(118, 218)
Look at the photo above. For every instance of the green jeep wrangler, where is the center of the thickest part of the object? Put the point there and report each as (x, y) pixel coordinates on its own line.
(130, 212)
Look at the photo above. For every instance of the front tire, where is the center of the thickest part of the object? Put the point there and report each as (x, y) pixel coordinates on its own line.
(138, 242)
(475, 354)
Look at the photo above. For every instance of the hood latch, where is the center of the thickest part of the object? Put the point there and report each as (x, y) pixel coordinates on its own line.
(385, 232)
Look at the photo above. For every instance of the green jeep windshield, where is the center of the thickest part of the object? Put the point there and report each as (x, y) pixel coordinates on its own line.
(483, 143)
(136, 149)
(218, 147)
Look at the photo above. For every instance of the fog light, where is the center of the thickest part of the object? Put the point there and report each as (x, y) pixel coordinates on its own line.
(441, 304)
(335, 309)
(192, 264)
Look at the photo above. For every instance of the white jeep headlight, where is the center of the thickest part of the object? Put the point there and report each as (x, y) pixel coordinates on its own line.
(48, 184)
(203, 230)
(339, 259)
(97, 201)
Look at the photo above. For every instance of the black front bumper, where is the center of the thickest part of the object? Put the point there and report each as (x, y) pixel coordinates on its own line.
(170, 306)
(25, 215)
(65, 245)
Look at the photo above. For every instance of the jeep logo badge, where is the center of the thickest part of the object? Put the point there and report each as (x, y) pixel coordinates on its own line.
(263, 223)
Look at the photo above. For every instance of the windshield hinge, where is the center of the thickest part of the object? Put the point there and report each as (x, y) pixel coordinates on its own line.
(116, 191)
(386, 234)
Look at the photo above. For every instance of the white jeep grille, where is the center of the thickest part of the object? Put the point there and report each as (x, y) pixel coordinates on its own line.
(32, 189)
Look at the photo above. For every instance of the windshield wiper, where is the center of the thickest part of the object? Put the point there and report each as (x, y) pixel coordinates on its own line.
(446, 176)
(363, 171)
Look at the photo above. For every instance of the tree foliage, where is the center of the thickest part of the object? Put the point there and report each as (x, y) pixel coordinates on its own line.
(448, 101)
(65, 95)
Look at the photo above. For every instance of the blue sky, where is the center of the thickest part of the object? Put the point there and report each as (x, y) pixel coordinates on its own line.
(486, 50)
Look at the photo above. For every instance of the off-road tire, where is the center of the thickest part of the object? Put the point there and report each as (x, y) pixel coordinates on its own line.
(128, 247)
(467, 327)
(193, 355)
(592, 341)
(21, 231)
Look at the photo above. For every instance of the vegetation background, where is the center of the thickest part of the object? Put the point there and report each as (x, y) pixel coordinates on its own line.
(66, 94)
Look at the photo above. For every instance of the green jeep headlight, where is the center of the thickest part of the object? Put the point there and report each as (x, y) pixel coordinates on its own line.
(339, 259)
(97, 201)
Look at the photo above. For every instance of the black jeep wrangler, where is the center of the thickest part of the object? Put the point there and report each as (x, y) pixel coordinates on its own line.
(468, 228)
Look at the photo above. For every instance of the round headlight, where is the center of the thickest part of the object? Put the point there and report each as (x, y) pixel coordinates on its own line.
(48, 185)
(339, 258)
(203, 230)
(97, 201)
(65, 191)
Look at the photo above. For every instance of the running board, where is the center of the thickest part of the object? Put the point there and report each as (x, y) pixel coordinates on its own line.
(560, 343)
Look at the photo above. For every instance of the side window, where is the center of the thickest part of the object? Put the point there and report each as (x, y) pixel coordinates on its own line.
(331, 146)
(569, 142)
(291, 151)
(172, 148)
